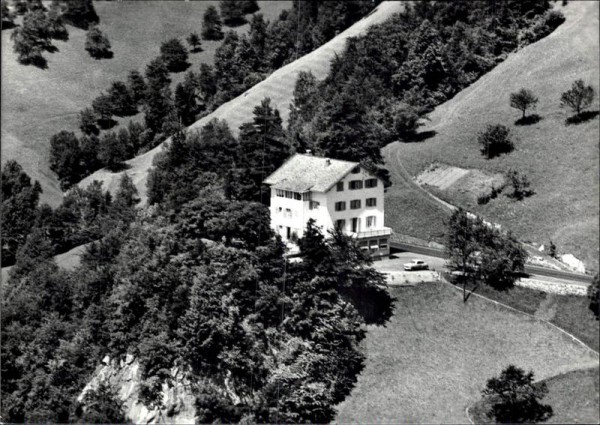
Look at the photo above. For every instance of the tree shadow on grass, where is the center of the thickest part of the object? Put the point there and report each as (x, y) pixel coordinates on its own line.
(38, 61)
(373, 303)
(179, 67)
(117, 168)
(106, 124)
(419, 137)
(528, 120)
(8, 25)
(235, 22)
(582, 117)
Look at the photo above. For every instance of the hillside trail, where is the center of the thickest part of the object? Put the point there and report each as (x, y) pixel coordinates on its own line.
(279, 87)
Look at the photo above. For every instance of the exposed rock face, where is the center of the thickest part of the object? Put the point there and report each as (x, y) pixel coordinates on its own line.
(573, 263)
(125, 376)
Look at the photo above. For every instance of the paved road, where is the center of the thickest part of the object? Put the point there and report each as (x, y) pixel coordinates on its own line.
(529, 269)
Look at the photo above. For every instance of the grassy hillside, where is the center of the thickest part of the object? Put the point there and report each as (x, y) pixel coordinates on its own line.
(433, 358)
(560, 161)
(38, 103)
(279, 86)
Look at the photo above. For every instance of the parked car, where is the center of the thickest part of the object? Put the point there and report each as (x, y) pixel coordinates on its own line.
(416, 265)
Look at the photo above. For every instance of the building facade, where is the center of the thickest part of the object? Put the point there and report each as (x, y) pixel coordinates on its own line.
(336, 194)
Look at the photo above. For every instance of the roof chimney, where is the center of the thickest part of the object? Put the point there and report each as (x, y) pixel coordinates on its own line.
(328, 162)
(308, 152)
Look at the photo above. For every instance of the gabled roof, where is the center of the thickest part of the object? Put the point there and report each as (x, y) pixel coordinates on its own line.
(303, 173)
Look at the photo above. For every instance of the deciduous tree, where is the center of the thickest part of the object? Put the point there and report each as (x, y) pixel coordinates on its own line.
(522, 100)
(97, 44)
(516, 398)
(65, 158)
(122, 103)
(19, 202)
(232, 12)
(194, 41)
(111, 151)
(87, 121)
(136, 86)
(578, 98)
(174, 54)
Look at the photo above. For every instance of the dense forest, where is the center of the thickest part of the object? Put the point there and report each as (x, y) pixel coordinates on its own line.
(198, 278)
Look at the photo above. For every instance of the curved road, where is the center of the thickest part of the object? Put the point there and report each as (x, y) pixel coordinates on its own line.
(530, 269)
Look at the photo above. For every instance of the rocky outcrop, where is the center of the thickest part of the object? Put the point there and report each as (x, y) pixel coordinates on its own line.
(573, 263)
(125, 375)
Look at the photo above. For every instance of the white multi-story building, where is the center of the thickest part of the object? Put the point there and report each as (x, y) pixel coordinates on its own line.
(336, 194)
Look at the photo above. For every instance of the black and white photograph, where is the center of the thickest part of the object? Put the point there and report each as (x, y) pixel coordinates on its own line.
(300, 211)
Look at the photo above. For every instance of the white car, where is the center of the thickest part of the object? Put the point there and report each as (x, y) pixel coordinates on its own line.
(416, 265)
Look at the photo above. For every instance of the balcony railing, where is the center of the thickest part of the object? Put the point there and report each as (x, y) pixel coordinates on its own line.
(386, 231)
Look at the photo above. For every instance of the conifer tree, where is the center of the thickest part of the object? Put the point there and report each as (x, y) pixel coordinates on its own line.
(211, 24)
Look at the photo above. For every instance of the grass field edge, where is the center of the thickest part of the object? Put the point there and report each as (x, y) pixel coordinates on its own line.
(573, 337)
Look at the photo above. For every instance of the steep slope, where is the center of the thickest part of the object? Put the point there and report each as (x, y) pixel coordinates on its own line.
(561, 161)
(38, 103)
(279, 86)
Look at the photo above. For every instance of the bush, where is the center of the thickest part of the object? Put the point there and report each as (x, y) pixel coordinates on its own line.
(97, 44)
(520, 184)
(515, 398)
(495, 141)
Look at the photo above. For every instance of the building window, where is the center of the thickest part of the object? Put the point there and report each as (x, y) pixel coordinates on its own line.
(373, 245)
(356, 184)
(383, 243)
(297, 196)
(340, 206)
(340, 186)
(355, 225)
(370, 221)
(354, 205)
(369, 183)
(340, 224)
(307, 196)
(279, 210)
(356, 170)
(279, 193)
(313, 205)
(364, 245)
(288, 213)
(371, 202)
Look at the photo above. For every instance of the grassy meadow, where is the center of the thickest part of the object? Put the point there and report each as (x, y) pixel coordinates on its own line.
(38, 103)
(433, 358)
(561, 161)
